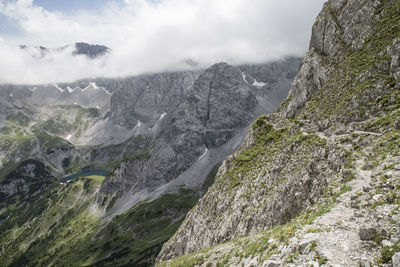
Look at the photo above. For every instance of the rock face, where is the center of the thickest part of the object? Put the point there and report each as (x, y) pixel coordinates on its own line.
(341, 23)
(145, 98)
(89, 50)
(396, 259)
(159, 136)
(295, 162)
(395, 59)
(199, 114)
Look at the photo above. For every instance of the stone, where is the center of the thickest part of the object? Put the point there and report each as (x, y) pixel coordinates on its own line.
(394, 52)
(367, 167)
(364, 262)
(271, 263)
(354, 205)
(367, 233)
(308, 239)
(396, 259)
(367, 188)
(397, 126)
(378, 198)
(347, 173)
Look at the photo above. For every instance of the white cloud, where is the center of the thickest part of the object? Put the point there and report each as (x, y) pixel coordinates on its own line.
(148, 37)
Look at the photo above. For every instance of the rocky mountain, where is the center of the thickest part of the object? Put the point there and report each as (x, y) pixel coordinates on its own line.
(150, 145)
(80, 48)
(90, 50)
(317, 182)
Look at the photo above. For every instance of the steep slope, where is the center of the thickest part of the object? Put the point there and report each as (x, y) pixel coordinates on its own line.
(192, 135)
(298, 189)
(63, 226)
(160, 137)
(51, 224)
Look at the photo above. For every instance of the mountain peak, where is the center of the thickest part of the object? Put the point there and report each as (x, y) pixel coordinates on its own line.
(92, 51)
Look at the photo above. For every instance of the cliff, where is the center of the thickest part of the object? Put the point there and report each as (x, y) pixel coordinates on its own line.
(317, 181)
(160, 137)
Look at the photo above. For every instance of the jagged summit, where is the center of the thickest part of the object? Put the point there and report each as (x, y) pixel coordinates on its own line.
(92, 51)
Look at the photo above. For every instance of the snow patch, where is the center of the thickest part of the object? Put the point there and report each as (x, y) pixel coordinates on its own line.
(58, 87)
(244, 77)
(94, 86)
(258, 84)
(91, 85)
(204, 154)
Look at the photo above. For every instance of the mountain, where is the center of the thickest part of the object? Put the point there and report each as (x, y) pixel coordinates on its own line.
(317, 182)
(90, 50)
(103, 171)
(80, 48)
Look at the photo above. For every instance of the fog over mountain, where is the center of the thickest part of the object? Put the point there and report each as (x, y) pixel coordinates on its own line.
(151, 36)
(200, 133)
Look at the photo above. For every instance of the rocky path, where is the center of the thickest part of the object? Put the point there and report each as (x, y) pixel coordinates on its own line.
(355, 230)
(339, 240)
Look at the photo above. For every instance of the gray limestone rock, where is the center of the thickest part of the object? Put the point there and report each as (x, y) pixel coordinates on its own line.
(90, 50)
(310, 78)
(201, 111)
(271, 263)
(247, 197)
(396, 259)
(99, 122)
(394, 53)
(339, 23)
(367, 233)
(364, 262)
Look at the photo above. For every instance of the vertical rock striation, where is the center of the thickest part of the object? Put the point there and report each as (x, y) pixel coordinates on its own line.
(347, 85)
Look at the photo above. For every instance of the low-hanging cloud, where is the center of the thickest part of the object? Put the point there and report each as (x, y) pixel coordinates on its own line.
(151, 36)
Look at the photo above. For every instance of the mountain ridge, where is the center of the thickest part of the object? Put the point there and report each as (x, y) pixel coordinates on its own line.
(324, 152)
(150, 132)
(91, 51)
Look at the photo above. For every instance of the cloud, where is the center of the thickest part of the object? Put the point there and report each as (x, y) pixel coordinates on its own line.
(151, 36)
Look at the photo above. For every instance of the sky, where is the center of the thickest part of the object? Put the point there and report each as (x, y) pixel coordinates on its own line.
(148, 35)
(71, 5)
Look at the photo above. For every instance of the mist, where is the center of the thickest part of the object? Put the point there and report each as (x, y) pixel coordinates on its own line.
(152, 36)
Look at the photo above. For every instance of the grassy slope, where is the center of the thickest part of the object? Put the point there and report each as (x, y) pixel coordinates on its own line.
(333, 103)
(63, 228)
(136, 237)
